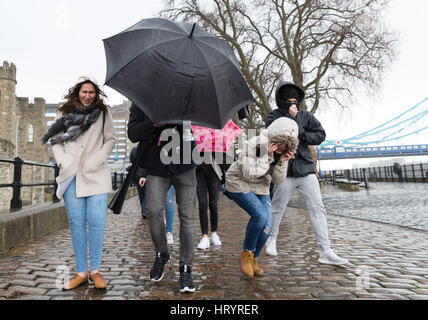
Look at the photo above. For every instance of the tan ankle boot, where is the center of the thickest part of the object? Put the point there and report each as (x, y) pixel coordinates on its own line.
(257, 270)
(76, 281)
(98, 281)
(246, 263)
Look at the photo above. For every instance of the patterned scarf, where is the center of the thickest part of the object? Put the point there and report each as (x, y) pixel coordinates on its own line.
(83, 118)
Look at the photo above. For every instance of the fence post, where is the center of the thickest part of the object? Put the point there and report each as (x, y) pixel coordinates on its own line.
(334, 177)
(405, 173)
(366, 182)
(422, 173)
(54, 197)
(413, 171)
(16, 202)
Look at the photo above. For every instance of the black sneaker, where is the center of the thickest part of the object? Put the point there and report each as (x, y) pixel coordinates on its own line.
(156, 274)
(186, 281)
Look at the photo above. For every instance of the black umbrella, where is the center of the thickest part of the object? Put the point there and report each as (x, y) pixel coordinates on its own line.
(176, 71)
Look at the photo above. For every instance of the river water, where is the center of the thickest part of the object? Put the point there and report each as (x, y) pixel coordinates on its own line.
(403, 204)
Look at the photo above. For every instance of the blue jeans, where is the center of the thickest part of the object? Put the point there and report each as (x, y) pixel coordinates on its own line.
(260, 224)
(169, 205)
(169, 209)
(142, 197)
(82, 212)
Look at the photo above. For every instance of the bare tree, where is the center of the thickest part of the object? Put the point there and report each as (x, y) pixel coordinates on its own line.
(328, 47)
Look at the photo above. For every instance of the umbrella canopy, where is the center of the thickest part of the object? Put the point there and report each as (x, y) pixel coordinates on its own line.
(175, 72)
(208, 139)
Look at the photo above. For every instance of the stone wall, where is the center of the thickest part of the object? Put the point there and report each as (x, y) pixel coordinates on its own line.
(6, 173)
(22, 124)
(31, 128)
(35, 221)
(8, 102)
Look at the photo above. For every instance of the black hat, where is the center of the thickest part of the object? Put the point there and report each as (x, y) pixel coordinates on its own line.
(288, 92)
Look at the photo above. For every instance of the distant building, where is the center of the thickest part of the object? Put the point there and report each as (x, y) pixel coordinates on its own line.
(22, 125)
(120, 154)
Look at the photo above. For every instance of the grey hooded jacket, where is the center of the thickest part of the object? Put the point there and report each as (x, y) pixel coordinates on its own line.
(254, 171)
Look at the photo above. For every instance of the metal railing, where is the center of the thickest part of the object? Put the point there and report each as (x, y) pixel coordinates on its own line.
(394, 173)
(17, 185)
(117, 179)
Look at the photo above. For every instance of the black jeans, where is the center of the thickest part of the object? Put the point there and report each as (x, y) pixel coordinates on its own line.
(208, 182)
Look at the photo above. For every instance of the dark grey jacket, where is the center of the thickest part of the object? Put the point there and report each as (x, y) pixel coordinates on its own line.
(141, 129)
(311, 132)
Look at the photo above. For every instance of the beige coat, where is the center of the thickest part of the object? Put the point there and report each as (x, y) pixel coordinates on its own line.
(86, 157)
(255, 173)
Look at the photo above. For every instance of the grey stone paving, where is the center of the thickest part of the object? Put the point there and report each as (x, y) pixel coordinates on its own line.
(403, 204)
(386, 262)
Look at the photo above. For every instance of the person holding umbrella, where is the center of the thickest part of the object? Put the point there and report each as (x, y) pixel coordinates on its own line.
(160, 177)
(82, 138)
(173, 72)
(263, 159)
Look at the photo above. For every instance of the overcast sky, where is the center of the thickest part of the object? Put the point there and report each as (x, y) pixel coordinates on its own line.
(54, 42)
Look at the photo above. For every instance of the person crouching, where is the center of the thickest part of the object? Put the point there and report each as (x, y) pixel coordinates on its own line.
(264, 159)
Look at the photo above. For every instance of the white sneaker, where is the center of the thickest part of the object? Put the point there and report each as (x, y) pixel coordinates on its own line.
(204, 244)
(215, 239)
(271, 247)
(169, 238)
(330, 257)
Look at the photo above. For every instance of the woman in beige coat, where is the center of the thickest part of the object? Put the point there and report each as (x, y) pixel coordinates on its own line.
(82, 138)
(263, 160)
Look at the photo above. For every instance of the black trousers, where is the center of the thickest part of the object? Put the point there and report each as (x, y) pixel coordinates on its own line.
(208, 183)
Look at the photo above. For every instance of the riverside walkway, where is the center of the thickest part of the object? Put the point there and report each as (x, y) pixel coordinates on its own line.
(386, 262)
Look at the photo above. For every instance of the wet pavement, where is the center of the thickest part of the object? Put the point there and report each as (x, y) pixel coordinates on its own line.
(403, 204)
(386, 262)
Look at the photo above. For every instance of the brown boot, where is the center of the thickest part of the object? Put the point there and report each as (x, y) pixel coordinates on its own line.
(257, 270)
(246, 263)
(75, 282)
(98, 281)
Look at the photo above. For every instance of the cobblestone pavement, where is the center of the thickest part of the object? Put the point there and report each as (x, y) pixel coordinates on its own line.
(386, 262)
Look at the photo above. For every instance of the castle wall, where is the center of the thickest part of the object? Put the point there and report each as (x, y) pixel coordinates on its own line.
(17, 115)
(8, 102)
(6, 173)
(32, 115)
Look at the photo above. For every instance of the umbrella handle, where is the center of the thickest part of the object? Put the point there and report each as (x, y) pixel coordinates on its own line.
(193, 29)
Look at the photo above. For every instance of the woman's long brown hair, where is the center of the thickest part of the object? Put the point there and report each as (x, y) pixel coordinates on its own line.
(73, 101)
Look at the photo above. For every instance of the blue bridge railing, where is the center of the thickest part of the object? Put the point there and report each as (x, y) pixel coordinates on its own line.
(341, 152)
